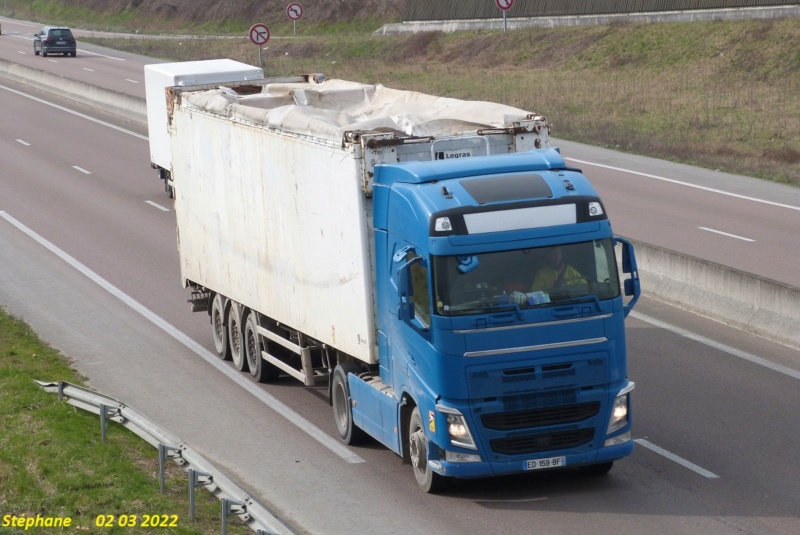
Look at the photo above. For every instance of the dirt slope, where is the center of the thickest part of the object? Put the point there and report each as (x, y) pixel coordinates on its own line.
(203, 10)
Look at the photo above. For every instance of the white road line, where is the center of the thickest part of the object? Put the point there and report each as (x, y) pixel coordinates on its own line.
(299, 421)
(131, 81)
(81, 169)
(717, 345)
(88, 69)
(151, 203)
(73, 112)
(21, 142)
(674, 458)
(82, 51)
(688, 184)
(726, 234)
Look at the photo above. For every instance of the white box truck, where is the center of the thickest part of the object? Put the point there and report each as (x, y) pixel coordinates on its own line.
(159, 76)
(391, 243)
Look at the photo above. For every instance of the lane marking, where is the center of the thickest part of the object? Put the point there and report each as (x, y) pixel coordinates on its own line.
(21, 142)
(717, 345)
(81, 169)
(131, 81)
(674, 458)
(73, 112)
(726, 234)
(82, 51)
(688, 184)
(295, 418)
(88, 69)
(151, 203)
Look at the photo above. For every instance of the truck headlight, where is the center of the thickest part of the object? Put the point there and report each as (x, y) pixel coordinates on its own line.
(620, 410)
(457, 428)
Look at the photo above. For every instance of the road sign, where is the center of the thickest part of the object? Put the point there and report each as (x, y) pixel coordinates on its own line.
(294, 11)
(504, 5)
(259, 33)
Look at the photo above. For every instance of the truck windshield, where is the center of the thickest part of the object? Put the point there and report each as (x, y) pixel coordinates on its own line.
(525, 278)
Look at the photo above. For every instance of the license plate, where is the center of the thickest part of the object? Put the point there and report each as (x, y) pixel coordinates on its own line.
(61, 42)
(552, 462)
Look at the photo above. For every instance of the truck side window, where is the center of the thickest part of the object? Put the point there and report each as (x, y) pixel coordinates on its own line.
(421, 297)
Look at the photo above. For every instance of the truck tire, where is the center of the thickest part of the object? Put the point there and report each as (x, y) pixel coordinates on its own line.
(261, 370)
(349, 432)
(417, 445)
(219, 331)
(235, 336)
(597, 469)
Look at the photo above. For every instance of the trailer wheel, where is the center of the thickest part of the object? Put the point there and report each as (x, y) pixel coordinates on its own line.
(427, 479)
(218, 329)
(235, 336)
(349, 432)
(261, 370)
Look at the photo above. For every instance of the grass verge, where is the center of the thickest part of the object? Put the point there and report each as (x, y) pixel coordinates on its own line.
(54, 464)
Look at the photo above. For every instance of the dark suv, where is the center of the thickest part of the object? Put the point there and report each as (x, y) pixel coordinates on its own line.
(51, 40)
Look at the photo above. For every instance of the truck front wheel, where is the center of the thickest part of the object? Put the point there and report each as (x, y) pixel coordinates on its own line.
(343, 409)
(417, 446)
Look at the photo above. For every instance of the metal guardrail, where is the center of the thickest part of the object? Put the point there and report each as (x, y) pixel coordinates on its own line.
(234, 500)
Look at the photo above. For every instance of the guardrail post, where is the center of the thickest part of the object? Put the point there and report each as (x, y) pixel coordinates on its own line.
(196, 479)
(230, 506)
(105, 412)
(165, 453)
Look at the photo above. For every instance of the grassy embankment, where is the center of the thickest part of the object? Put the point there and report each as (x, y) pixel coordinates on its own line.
(54, 464)
(723, 95)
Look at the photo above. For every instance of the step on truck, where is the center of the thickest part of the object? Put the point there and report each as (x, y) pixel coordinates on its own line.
(449, 278)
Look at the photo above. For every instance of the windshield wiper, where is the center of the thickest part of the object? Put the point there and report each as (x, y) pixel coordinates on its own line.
(579, 299)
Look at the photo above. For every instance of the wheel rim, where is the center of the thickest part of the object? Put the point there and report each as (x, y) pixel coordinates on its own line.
(219, 327)
(253, 355)
(340, 407)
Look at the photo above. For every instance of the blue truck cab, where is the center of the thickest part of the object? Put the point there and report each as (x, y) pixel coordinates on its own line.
(500, 319)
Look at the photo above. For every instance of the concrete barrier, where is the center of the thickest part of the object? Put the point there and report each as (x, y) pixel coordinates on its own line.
(754, 304)
(513, 23)
(762, 306)
(126, 106)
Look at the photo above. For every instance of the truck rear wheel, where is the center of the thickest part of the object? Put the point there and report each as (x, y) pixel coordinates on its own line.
(261, 370)
(349, 432)
(218, 329)
(235, 336)
(417, 445)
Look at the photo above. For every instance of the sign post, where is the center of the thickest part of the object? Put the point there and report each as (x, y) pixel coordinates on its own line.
(504, 6)
(259, 35)
(294, 11)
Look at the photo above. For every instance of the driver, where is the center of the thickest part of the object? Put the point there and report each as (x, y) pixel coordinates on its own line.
(555, 272)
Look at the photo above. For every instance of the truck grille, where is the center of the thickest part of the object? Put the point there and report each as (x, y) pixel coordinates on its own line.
(505, 421)
(543, 442)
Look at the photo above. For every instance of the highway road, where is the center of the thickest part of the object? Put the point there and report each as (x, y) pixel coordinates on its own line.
(88, 257)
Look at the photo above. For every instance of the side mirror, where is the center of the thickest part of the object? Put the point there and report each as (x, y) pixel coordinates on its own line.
(631, 285)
